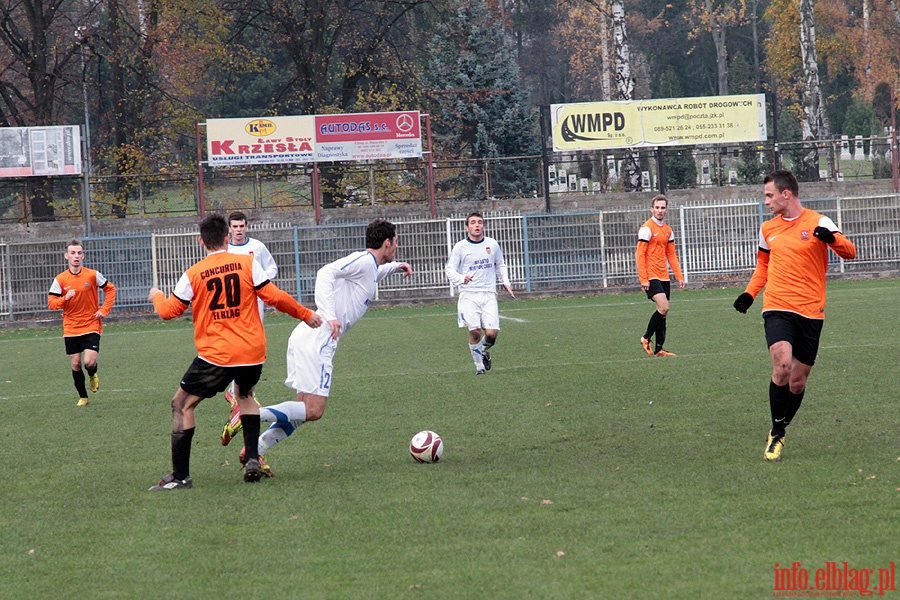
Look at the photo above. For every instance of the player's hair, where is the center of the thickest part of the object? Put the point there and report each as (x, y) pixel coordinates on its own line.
(658, 198)
(378, 231)
(783, 180)
(214, 231)
(237, 216)
(73, 242)
(474, 214)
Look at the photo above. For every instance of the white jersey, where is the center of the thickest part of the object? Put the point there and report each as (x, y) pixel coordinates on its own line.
(483, 261)
(255, 248)
(345, 287)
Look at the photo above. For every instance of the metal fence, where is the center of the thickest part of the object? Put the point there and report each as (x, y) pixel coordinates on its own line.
(545, 253)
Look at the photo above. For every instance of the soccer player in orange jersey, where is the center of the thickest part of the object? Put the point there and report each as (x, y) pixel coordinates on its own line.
(222, 290)
(655, 247)
(75, 291)
(791, 264)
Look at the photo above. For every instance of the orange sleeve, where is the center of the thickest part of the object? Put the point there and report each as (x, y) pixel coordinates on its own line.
(56, 302)
(673, 261)
(275, 296)
(842, 246)
(169, 308)
(760, 274)
(641, 257)
(109, 297)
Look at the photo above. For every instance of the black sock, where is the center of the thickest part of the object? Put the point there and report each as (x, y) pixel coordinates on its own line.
(78, 377)
(90, 370)
(181, 453)
(660, 333)
(653, 324)
(793, 405)
(778, 399)
(250, 425)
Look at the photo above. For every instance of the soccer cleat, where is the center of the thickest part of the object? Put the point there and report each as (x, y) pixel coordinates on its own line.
(486, 357)
(664, 353)
(94, 380)
(233, 401)
(479, 371)
(774, 446)
(233, 426)
(170, 483)
(645, 344)
(264, 467)
(82, 402)
(252, 471)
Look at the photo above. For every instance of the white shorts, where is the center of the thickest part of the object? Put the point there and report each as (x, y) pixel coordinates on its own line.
(478, 310)
(309, 355)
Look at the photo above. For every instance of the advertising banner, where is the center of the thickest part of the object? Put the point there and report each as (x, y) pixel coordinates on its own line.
(365, 136)
(260, 141)
(40, 151)
(313, 138)
(662, 122)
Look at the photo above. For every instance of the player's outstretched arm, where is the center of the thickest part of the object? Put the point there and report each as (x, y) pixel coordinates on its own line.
(167, 308)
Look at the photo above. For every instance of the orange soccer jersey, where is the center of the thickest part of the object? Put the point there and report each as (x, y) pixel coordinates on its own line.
(79, 311)
(791, 263)
(222, 290)
(656, 245)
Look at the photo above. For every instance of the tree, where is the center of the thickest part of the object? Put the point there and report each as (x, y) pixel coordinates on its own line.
(631, 165)
(330, 56)
(715, 17)
(481, 111)
(40, 63)
(742, 81)
(815, 122)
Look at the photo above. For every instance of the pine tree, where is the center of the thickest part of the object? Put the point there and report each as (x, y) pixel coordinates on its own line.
(482, 112)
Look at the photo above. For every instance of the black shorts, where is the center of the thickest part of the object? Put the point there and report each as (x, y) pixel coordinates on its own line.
(659, 287)
(800, 332)
(206, 379)
(77, 344)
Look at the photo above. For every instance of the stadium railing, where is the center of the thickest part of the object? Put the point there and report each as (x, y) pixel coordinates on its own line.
(545, 253)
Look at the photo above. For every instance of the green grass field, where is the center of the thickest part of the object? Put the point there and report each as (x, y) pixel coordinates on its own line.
(578, 467)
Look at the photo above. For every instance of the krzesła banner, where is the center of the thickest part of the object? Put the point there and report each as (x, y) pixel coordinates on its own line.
(663, 122)
(313, 138)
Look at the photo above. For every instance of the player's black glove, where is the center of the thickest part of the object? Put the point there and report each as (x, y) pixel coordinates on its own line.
(743, 302)
(824, 234)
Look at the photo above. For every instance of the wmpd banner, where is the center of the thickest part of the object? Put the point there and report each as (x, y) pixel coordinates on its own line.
(313, 138)
(40, 151)
(662, 122)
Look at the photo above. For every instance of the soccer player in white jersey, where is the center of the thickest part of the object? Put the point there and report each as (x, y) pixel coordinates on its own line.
(344, 290)
(475, 264)
(240, 243)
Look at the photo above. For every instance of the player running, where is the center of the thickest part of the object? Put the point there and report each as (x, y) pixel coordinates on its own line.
(791, 264)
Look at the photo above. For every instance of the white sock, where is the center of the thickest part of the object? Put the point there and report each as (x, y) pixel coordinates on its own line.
(285, 418)
(477, 355)
(486, 345)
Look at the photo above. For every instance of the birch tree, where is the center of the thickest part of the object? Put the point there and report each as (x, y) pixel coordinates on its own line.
(815, 122)
(631, 165)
